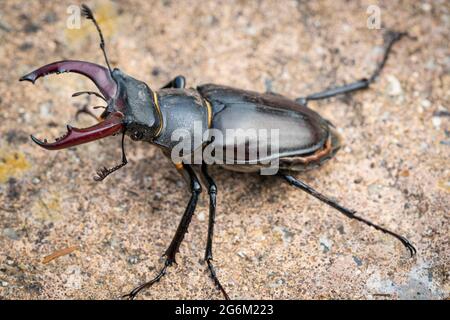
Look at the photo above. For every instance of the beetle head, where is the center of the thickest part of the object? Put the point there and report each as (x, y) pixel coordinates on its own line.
(139, 105)
(131, 104)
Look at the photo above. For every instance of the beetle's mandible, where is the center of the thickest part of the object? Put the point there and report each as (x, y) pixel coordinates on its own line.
(306, 140)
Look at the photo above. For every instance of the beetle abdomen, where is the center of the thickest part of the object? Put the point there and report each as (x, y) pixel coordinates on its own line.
(317, 158)
(301, 131)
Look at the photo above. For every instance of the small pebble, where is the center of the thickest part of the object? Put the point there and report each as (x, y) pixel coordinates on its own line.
(241, 254)
(133, 259)
(436, 122)
(36, 180)
(10, 233)
(326, 244)
(114, 242)
(394, 88)
(157, 195)
(4, 284)
(357, 261)
(431, 64)
(426, 7)
(156, 71)
(385, 116)
(287, 235)
(424, 146)
(180, 183)
(44, 109)
(201, 216)
(277, 283)
(374, 189)
(251, 31)
(425, 103)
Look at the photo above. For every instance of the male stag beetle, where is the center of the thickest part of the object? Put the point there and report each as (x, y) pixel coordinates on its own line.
(305, 139)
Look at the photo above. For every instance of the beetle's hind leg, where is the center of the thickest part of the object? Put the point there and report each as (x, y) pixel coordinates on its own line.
(347, 212)
(391, 37)
(189, 174)
(212, 191)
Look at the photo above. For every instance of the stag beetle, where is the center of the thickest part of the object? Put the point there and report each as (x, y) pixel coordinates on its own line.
(306, 140)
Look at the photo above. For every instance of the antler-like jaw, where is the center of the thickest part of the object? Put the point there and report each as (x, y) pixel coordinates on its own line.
(112, 124)
(98, 74)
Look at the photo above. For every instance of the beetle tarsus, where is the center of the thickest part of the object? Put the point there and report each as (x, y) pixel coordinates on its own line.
(104, 172)
(216, 281)
(412, 250)
(347, 212)
(135, 291)
(390, 38)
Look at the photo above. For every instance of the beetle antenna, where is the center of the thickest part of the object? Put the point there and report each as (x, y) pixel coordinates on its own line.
(88, 14)
(76, 94)
(84, 108)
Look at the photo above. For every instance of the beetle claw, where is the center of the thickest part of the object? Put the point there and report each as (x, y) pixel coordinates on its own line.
(38, 141)
(75, 136)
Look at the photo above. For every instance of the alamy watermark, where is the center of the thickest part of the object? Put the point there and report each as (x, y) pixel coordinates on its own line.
(238, 147)
(74, 19)
(374, 18)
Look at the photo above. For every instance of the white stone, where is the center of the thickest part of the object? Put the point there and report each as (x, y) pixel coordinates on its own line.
(201, 216)
(425, 103)
(394, 88)
(436, 122)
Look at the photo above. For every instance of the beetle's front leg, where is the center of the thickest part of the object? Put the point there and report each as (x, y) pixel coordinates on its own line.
(188, 173)
(212, 191)
(104, 172)
(179, 82)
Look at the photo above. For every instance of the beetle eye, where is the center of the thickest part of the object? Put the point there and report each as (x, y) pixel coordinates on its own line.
(137, 135)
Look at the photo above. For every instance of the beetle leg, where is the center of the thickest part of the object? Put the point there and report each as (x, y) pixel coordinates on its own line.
(104, 172)
(347, 212)
(391, 37)
(85, 108)
(188, 173)
(179, 82)
(212, 191)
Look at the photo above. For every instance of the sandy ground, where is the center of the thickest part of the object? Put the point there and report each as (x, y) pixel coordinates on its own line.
(272, 241)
